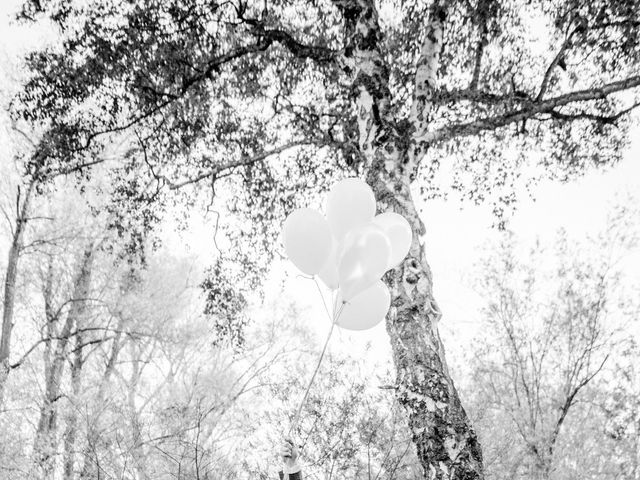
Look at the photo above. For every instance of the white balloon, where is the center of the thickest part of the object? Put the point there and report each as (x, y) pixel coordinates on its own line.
(350, 203)
(366, 309)
(307, 239)
(329, 272)
(400, 235)
(364, 259)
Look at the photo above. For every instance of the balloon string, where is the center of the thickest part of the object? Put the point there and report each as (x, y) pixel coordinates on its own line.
(294, 424)
(324, 303)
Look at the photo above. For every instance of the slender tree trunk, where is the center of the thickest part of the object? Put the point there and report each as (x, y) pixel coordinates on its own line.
(89, 455)
(45, 444)
(70, 433)
(51, 317)
(10, 287)
(446, 444)
(134, 416)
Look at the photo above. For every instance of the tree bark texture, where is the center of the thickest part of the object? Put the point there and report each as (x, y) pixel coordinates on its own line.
(445, 441)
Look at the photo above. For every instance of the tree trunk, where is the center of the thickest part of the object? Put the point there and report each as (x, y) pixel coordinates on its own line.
(70, 433)
(10, 288)
(89, 455)
(134, 416)
(45, 443)
(446, 444)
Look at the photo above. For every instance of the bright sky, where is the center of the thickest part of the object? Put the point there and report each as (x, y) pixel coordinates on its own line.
(453, 237)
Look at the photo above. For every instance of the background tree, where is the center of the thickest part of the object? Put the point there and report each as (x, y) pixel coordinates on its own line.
(622, 414)
(555, 333)
(16, 212)
(205, 90)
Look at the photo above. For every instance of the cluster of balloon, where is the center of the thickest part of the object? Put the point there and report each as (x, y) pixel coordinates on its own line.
(349, 251)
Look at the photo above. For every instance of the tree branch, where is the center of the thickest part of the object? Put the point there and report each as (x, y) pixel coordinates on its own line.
(298, 49)
(528, 110)
(238, 163)
(564, 410)
(554, 63)
(426, 69)
(608, 119)
(443, 96)
(9, 222)
(482, 13)
(580, 29)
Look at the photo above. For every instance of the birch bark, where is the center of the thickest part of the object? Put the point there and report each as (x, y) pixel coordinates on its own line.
(445, 441)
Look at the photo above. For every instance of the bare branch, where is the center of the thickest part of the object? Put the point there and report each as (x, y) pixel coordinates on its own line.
(569, 401)
(72, 168)
(22, 133)
(9, 222)
(26, 354)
